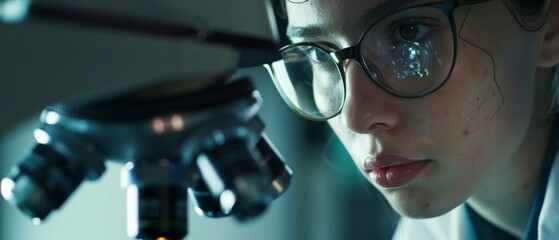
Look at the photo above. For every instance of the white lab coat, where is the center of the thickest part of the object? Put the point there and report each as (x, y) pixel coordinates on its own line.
(455, 224)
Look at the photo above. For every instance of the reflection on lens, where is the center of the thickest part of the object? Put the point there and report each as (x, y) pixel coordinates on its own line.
(410, 53)
(310, 81)
(329, 93)
(411, 60)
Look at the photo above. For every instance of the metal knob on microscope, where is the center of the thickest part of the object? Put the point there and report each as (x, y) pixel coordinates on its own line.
(51, 172)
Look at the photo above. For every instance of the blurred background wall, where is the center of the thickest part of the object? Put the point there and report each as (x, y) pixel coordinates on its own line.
(328, 198)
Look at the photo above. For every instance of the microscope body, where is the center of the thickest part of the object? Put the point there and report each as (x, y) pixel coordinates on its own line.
(85, 51)
(144, 84)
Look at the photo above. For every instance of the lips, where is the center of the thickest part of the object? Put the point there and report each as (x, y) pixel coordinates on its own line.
(392, 170)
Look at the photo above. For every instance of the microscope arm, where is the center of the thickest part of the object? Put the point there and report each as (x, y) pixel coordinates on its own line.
(85, 51)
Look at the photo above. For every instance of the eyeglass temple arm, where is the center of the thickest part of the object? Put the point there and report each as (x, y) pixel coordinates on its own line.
(469, 2)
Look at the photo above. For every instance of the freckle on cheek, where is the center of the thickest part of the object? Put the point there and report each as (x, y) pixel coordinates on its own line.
(409, 194)
(465, 132)
(426, 205)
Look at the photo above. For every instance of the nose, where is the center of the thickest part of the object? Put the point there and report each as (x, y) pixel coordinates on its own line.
(368, 108)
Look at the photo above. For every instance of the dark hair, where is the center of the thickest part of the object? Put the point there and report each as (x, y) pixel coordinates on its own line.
(530, 14)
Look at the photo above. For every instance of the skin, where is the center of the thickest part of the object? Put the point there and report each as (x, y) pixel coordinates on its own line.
(485, 131)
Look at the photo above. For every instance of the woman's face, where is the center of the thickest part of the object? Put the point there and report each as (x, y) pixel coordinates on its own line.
(432, 153)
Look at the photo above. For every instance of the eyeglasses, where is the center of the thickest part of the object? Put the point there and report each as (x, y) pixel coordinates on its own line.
(409, 54)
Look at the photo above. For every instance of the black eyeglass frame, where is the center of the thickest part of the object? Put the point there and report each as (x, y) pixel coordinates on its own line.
(354, 52)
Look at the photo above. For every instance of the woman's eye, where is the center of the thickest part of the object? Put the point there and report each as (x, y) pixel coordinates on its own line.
(318, 55)
(411, 32)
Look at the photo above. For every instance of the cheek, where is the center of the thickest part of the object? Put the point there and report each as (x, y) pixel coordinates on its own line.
(357, 145)
(501, 58)
(492, 77)
(487, 104)
(480, 92)
(469, 100)
(328, 92)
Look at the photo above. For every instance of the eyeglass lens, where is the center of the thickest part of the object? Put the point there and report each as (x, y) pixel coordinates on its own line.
(409, 54)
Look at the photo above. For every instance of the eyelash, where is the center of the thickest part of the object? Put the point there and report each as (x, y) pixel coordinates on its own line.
(424, 22)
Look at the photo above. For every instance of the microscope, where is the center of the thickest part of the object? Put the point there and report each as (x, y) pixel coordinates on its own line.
(146, 84)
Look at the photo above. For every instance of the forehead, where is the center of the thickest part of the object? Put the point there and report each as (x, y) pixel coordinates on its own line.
(314, 10)
(338, 18)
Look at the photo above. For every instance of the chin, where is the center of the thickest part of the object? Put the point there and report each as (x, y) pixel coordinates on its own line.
(410, 203)
(417, 211)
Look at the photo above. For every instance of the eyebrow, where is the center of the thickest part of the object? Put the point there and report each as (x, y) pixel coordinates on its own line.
(384, 8)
